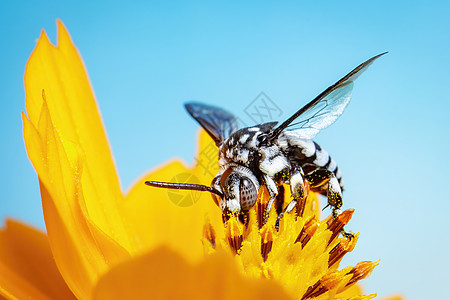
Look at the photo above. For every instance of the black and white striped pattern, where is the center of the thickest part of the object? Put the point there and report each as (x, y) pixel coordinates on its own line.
(245, 147)
(308, 154)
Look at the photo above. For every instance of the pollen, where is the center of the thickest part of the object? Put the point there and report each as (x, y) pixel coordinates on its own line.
(303, 253)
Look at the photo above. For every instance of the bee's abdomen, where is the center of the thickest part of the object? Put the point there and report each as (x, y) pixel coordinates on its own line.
(310, 156)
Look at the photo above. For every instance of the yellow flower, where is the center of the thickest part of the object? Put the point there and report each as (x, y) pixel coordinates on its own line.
(102, 244)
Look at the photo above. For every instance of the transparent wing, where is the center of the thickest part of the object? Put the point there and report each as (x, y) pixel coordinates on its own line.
(217, 122)
(324, 113)
(326, 108)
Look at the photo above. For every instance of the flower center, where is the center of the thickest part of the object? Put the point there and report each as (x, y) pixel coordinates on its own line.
(302, 253)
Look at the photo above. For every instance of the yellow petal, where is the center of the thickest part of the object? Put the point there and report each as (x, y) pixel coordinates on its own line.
(27, 268)
(60, 72)
(156, 216)
(163, 274)
(81, 251)
(13, 286)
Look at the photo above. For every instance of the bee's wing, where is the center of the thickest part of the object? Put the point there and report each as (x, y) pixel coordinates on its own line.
(323, 110)
(217, 122)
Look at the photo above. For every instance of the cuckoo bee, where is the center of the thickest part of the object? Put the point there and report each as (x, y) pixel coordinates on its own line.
(270, 155)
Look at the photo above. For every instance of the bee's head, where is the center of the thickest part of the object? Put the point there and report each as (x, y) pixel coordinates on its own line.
(234, 189)
(239, 187)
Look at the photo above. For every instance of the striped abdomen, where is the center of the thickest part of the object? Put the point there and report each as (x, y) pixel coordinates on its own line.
(309, 155)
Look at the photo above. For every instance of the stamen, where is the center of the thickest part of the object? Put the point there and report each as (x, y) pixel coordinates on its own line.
(307, 232)
(336, 225)
(300, 207)
(261, 204)
(266, 243)
(314, 291)
(279, 200)
(301, 203)
(249, 226)
(345, 245)
(360, 271)
(323, 285)
(233, 233)
(209, 234)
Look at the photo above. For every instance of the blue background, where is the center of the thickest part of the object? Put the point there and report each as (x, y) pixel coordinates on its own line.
(146, 59)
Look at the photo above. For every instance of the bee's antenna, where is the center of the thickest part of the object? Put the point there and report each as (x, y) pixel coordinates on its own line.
(184, 186)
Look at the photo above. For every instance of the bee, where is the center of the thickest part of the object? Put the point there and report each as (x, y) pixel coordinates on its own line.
(271, 155)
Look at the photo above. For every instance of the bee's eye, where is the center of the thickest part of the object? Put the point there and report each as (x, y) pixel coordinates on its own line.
(248, 193)
(262, 138)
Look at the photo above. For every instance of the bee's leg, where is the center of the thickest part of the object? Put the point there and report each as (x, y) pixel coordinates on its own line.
(298, 191)
(273, 192)
(287, 209)
(323, 179)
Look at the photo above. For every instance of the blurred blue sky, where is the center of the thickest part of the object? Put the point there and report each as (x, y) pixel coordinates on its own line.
(145, 59)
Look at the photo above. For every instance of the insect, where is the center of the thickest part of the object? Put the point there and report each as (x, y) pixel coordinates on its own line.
(270, 155)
